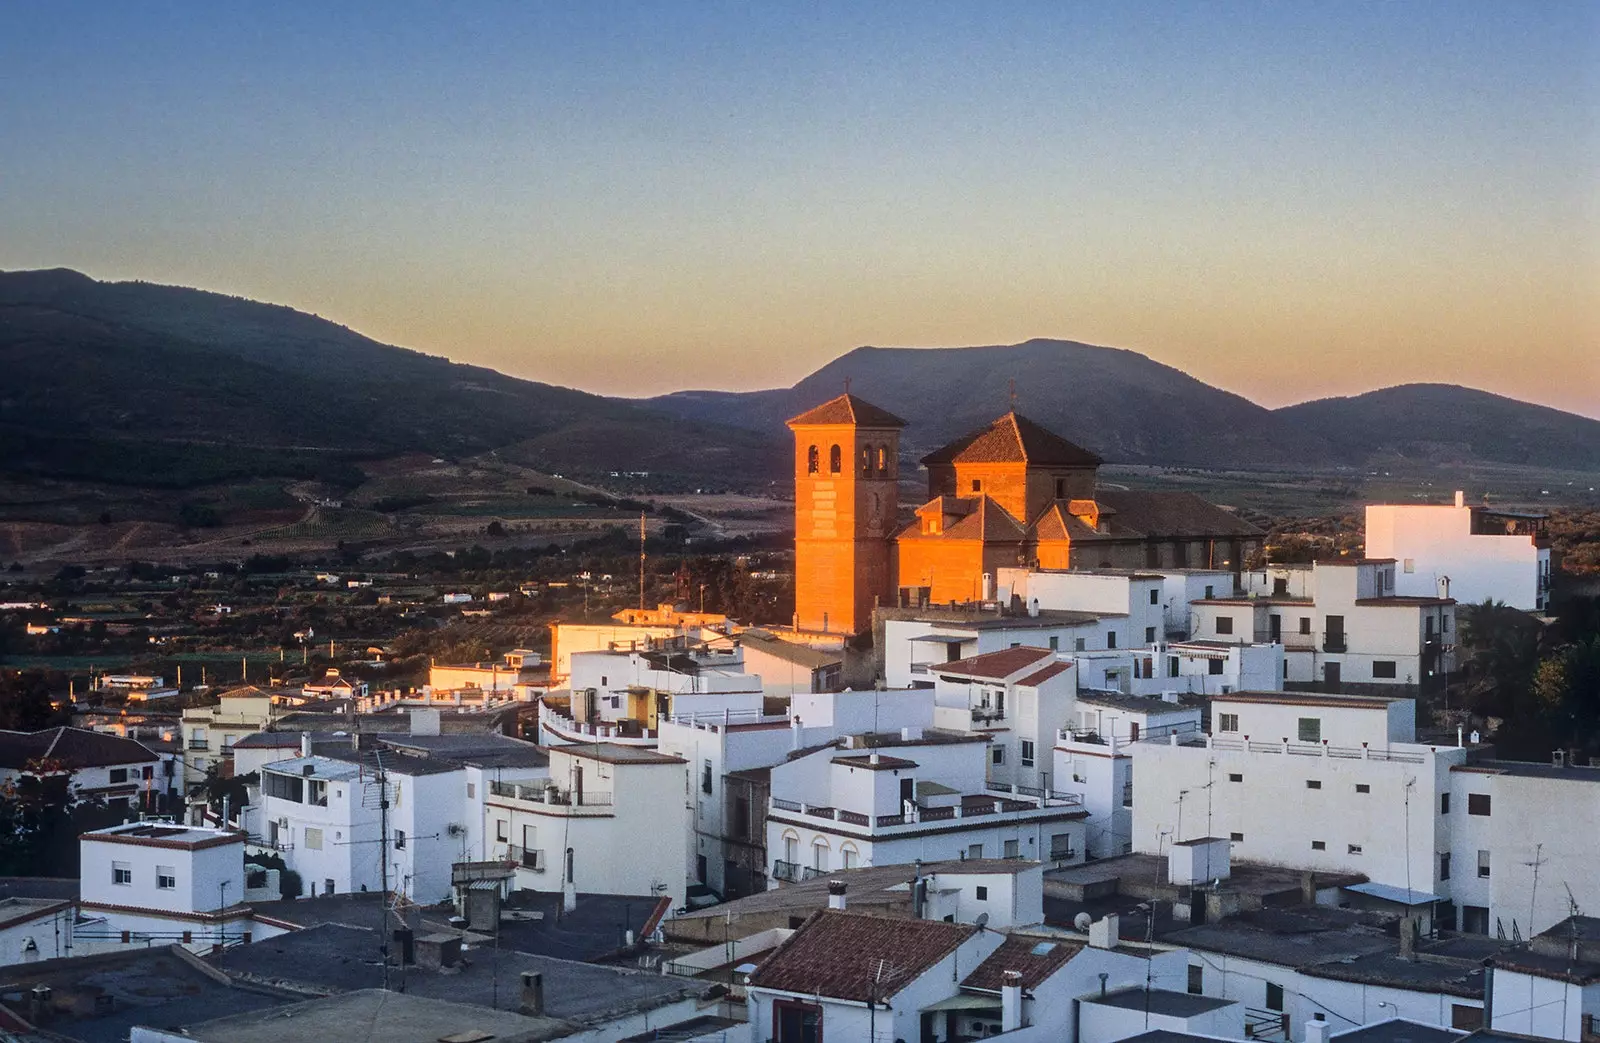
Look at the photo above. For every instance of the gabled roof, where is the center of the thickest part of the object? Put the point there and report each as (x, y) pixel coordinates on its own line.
(847, 409)
(1041, 676)
(73, 747)
(1013, 438)
(988, 521)
(850, 956)
(1142, 512)
(1035, 957)
(1057, 523)
(996, 666)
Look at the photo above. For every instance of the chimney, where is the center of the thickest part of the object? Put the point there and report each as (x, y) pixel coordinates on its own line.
(1558, 758)
(1010, 1001)
(1461, 498)
(305, 744)
(531, 1002)
(1408, 937)
(408, 947)
(873, 758)
(1104, 933)
(1317, 1029)
(795, 733)
(1308, 888)
(836, 900)
(39, 1003)
(1488, 994)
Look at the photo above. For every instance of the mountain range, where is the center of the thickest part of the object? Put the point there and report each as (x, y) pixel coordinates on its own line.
(161, 385)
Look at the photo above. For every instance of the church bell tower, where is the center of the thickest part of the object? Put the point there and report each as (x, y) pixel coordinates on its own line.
(846, 470)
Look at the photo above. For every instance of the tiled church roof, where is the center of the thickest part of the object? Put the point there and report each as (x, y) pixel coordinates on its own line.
(847, 409)
(1013, 438)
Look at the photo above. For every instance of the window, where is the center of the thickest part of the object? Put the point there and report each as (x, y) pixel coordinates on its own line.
(796, 1022)
(1196, 979)
(1224, 624)
(1155, 597)
(122, 873)
(1237, 838)
(1055, 644)
(1354, 849)
(851, 857)
(1444, 803)
(148, 771)
(1211, 592)
(1477, 803)
(1319, 845)
(1111, 639)
(835, 460)
(1060, 846)
(998, 755)
(327, 886)
(117, 775)
(813, 460)
(1483, 865)
(1310, 729)
(472, 790)
(399, 839)
(1305, 624)
(1409, 565)
(313, 838)
(1234, 776)
(1313, 784)
(977, 485)
(974, 850)
(500, 832)
(1214, 667)
(166, 878)
(705, 777)
(982, 893)
(1172, 666)
(1444, 866)
(1027, 753)
(1227, 722)
(1274, 996)
(1149, 635)
(1077, 644)
(819, 854)
(1362, 787)
(1383, 668)
(1013, 849)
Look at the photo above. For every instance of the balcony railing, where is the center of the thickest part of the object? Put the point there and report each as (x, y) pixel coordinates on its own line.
(787, 871)
(987, 715)
(256, 840)
(537, 793)
(1002, 800)
(1289, 639)
(1334, 642)
(199, 744)
(526, 857)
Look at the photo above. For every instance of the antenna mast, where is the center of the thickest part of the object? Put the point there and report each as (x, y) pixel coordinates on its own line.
(641, 561)
(383, 863)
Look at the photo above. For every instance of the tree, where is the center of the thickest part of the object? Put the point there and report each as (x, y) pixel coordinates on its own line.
(25, 704)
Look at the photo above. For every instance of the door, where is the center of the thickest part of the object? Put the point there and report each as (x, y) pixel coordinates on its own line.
(1330, 677)
(1275, 629)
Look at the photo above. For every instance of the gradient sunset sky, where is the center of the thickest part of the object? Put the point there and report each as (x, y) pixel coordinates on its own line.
(1288, 200)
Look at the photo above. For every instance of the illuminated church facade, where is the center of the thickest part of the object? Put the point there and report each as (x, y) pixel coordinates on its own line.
(1010, 494)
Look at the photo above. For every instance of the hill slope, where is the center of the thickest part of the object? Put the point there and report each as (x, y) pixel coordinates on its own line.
(1123, 405)
(1446, 422)
(164, 385)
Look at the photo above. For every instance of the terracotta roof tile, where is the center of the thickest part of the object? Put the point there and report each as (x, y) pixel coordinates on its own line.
(1041, 676)
(839, 954)
(1018, 953)
(988, 522)
(847, 409)
(1141, 512)
(1014, 438)
(997, 665)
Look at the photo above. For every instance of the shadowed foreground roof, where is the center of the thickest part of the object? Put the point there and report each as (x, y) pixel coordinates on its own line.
(849, 956)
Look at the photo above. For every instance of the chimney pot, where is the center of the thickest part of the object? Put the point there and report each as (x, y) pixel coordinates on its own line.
(836, 894)
(532, 999)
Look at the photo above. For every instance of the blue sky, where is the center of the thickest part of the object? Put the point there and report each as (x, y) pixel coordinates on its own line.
(1289, 200)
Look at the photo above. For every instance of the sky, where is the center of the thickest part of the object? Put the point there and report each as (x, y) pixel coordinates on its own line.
(1288, 200)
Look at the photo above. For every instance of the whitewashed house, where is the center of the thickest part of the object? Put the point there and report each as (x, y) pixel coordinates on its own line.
(1018, 699)
(1470, 553)
(98, 765)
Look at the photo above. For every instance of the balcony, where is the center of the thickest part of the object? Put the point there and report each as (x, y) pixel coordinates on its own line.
(199, 744)
(987, 715)
(573, 801)
(1334, 641)
(789, 872)
(1290, 640)
(526, 857)
(1023, 801)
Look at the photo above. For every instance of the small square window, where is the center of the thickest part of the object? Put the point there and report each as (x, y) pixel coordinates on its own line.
(1227, 722)
(1477, 803)
(1305, 624)
(998, 755)
(1224, 624)
(500, 829)
(1215, 667)
(1444, 866)
(1319, 845)
(982, 893)
(1027, 753)
(1310, 729)
(1362, 787)
(1483, 865)
(1149, 635)
(121, 873)
(1155, 597)
(1078, 644)
(1237, 838)
(166, 878)
(1234, 776)
(1354, 849)
(977, 485)
(1444, 803)
(1383, 668)
(1111, 639)
(1274, 996)
(1313, 784)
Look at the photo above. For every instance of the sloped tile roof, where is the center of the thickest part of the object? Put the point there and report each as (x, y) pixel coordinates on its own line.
(996, 666)
(847, 409)
(1013, 438)
(1141, 512)
(851, 956)
(1041, 676)
(73, 747)
(988, 521)
(1017, 953)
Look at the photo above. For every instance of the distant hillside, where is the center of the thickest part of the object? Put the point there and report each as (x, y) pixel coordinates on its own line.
(152, 384)
(1449, 423)
(1123, 405)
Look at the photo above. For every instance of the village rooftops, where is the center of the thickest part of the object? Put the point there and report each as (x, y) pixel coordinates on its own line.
(379, 1016)
(165, 834)
(616, 753)
(1343, 702)
(1160, 1001)
(17, 911)
(1122, 701)
(834, 955)
(1299, 936)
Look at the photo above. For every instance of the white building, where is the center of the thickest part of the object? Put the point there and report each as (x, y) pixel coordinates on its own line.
(1469, 553)
(1018, 698)
(209, 732)
(33, 929)
(906, 799)
(1341, 624)
(918, 643)
(1551, 988)
(610, 819)
(99, 765)
(156, 883)
(1136, 597)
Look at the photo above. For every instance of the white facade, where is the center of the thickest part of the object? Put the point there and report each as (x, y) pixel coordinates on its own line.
(1017, 704)
(913, 648)
(842, 807)
(1135, 597)
(1339, 624)
(209, 732)
(34, 929)
(1473, 553)
(611, 820)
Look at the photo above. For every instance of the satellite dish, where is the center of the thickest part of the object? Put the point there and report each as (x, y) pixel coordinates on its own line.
(1082, 921)
(982, 921)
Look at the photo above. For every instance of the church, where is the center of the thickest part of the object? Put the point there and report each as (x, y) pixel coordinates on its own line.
(1009, 494)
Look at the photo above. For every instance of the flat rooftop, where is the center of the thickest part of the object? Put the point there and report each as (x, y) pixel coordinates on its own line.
(165, 834)
(1161, 1001)
(1398, 1030)
(376, 1016)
